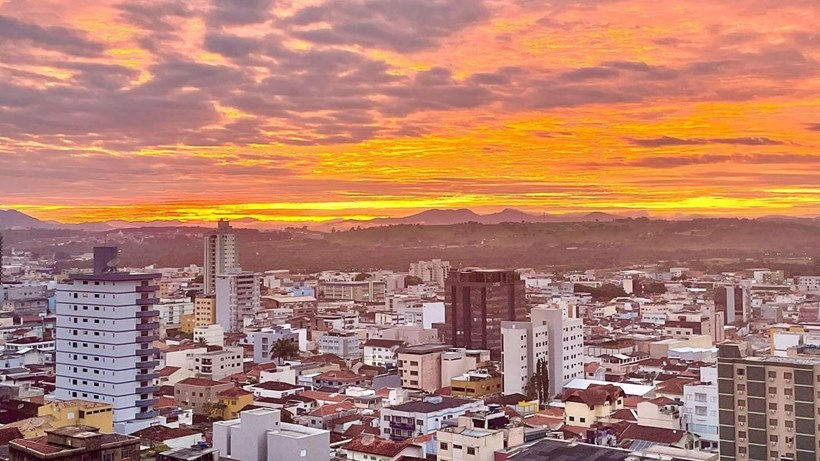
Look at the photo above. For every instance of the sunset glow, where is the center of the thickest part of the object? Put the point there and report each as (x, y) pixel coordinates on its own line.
(306, 111)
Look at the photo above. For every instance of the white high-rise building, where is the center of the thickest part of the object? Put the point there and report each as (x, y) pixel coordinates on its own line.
(434, 271)
(238, 296)
(550, 334)
(106, 324)
(221, 254)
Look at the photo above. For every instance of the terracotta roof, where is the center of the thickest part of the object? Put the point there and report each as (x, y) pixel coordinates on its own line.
(376, 446)
(204, 382)
(387, 343)
(38, 444)
(674, 386)
(625, 414)
(164, 372)
(542, 420)
(330, 409)
(342, 375)
(592, 367)
(234, 392)
(651, 434)
(163, 401)
(276, 386)
(162, 433)
(357, 429)
(661, 401)
(594, 394)
(632, 402)
(9, 434)
(326, 396)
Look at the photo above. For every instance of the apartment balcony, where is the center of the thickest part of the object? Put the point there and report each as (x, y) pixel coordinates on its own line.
(402, 426)
(146, 402)
(147, 301)
(147, 364)
(147, 314)
(144, 377)
(147, 326)
(148, 352)
(148, 389)
(147, 414)
(147, 338)
(147, 289)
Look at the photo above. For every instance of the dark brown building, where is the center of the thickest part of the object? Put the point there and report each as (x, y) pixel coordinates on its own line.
(476, 302)
(76, 443)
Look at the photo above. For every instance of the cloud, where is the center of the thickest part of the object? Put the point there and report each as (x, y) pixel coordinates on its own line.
(813, 126)
(239, 12)
(57, 38)
(672, 141)
(687, 160)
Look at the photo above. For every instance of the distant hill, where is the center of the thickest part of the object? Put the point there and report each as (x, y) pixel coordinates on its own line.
(15, 219)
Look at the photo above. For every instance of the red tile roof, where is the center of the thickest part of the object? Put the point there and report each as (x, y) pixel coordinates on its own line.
(234, 392)
(652, 434)
(342, 375)
(376, 446)
(162, 433)
(330, 409)
(164, 372)
(594, 394)
(8, 434)
(203, 382)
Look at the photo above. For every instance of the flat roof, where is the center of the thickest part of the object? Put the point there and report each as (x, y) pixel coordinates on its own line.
(114, 277)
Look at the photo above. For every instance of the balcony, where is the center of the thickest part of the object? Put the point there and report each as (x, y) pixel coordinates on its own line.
(147, 376)
(403, 426)
(146, 352)
(147, 314)
(148, 389)
(147, 414)
(147, 326)
(147, 289)
(147, 338)
(147, 301)
(146, 402)
(147, 364)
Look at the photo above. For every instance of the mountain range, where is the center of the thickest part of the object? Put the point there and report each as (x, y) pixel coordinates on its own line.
(432, 217)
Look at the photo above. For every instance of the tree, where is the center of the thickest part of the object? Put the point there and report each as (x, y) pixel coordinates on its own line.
(284, 349)
(538, 384)
(362, 276)
(201, 341)
(216, 409)
(412, 280)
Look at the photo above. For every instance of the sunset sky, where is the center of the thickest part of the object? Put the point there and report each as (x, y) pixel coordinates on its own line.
(313, 110)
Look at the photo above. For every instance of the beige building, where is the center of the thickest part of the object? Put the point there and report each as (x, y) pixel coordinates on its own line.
(197, 393)
(204, 311)
(219, 364)
(661, 412)
(420, 366)
(477, 384)
(477, 437)
(585, 407)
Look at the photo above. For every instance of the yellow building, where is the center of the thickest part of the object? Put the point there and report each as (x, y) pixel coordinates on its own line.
(585, 407)
(477, 383)
(232, 401)
(204, 311)
(54, 415)
(187, 323)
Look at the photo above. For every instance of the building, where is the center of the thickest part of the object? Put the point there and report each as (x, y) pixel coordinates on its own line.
(106, 325)
(232, 401)
(237, 299)
(585, 407)
(199, 394)
(219, 364)
(370, 448)
(344, 344)
(264, 340)
(189, 454)
(221, 254)
(420, 366)
(477, 384)
(476, 302)
(260, 434)
(212, 335)
(381, 352)
(478, 436)
(79, 413)
(367, 291)
(75, 443)
(808, 283)
(426, 416)
(700, 408)
(434, 271)
(550, 336)
(204, 311)
(300, 306)
(172, 311)
(768, 405)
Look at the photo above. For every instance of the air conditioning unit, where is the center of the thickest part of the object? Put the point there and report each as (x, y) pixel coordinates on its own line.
(742, 423)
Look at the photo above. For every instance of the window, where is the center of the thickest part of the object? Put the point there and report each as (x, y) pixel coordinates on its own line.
(443, 445)
(456, 447)
(470, 450)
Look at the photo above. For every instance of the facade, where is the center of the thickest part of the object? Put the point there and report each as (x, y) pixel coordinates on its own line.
(212, 335)
(585, 407)
(477, 437)
(476, 302)
(301, 306)
(700, 408)
(198, 394)
(524, 344)
(420, 366)
(219, 364)
(79, 413)
(368, 291)
(434, 271)
(172, 311)
(421, 417)
(768, 406)
(75, 443)
(105, 328)
(381, 352)
(264, 340)
(204, 311)
(260, 434)
(344, 344)
(237, 298)
(477, 384)
(221, 254)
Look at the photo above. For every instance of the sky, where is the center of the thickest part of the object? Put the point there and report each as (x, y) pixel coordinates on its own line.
(316, 110)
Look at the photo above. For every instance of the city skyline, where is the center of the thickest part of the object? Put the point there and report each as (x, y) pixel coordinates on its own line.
(321, 110)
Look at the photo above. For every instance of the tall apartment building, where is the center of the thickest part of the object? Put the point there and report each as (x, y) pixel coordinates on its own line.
(204, 311)
(221, 254)
(476, 302)
(434, 271)
(106, 324)
(550, 335)
(237, 297)
(768, 405)
(700, 408)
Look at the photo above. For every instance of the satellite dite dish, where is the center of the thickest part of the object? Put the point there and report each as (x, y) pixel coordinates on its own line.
(112, 264)
(105, 260)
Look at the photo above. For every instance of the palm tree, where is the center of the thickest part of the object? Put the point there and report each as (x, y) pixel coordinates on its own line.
(284, 349)
(202, 342)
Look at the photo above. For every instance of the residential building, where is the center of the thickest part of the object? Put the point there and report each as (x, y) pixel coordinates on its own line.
(79, 413)
(381, 352)
(189, 454)
(585, 407)
(420, 366)
(237, 299)
(367, 291)
(661, 412)
(524, 344)
(212, 335)
(476, 302)
(700, 408)
(260, 434)
(300, 306)
(370, 448)
(809, 283)
(204, 310)
(344, 344)
(199, 394)
(172, 311)
(768, 404)
(478, 436)
(72, 443)
(477, 384)
(221, 254)
(434, 271)
(232, 401)
(219, 364)
(264, 340)
(424, 416)
(105, 328)
(274, 389)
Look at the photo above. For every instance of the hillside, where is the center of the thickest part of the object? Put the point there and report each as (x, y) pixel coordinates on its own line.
(539, 245)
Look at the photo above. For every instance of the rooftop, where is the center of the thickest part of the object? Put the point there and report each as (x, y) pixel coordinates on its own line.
(559, 450)
(429, 405)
